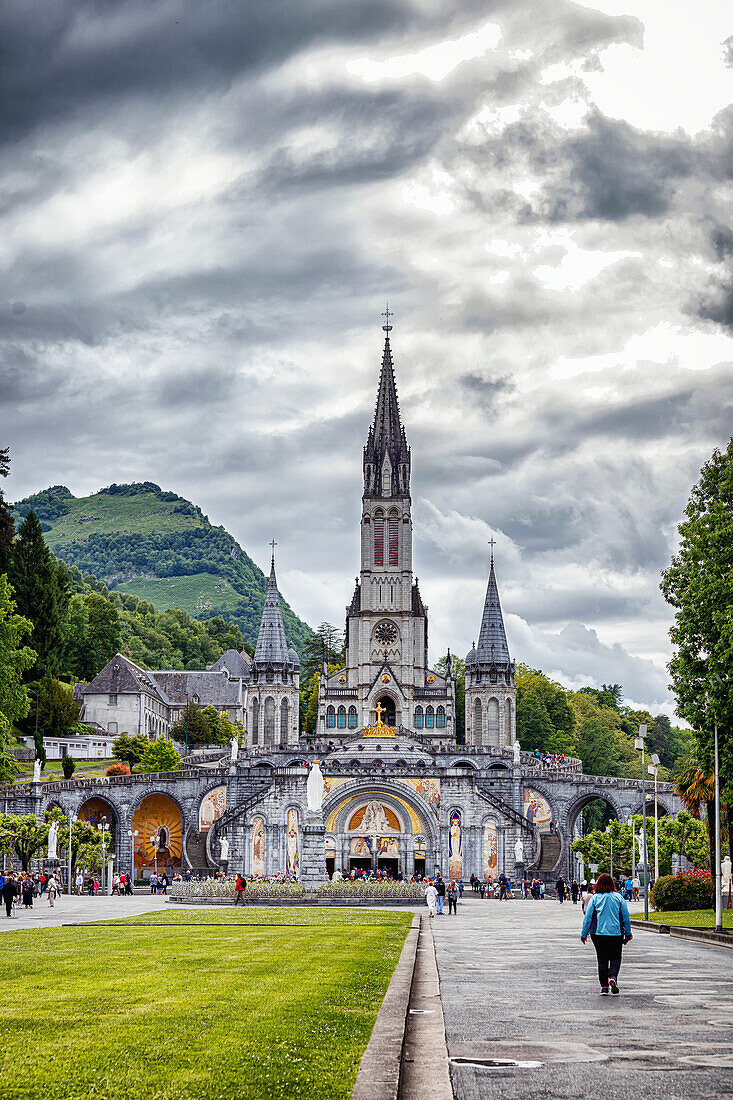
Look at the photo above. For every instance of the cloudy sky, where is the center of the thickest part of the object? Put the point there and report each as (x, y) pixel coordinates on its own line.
(204, 207)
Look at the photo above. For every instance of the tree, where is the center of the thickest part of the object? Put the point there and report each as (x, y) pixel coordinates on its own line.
(41, 593)
(206, 726)
(160, 756)
(130, 749)
(696, 787)
(683, 835)
(328, 640)
(68, 766)
(15, 660)
(22, 835)
(58, 713)
(103, 630)
(545, 720)
(7, 527)
(699, 585)
(86, 840)
(458, 668)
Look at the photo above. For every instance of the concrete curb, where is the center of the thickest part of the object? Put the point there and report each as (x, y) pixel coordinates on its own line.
(698, 935)
(379, 1070)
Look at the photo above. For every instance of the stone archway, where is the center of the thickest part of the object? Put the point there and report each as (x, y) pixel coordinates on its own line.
(158, 821)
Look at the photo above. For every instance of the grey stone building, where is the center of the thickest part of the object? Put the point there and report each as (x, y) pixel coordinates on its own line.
(399, 792)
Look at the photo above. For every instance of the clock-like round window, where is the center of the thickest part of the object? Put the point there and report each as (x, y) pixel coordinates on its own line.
(386, 633)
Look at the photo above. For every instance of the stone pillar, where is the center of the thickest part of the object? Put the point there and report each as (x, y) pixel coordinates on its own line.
(313, 850)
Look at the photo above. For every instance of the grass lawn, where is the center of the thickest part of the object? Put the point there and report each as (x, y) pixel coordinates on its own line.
(193, 593)
(53, 770)
(208, 1009)
(689, 918)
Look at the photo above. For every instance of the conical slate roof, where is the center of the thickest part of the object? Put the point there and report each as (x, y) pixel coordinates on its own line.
(272, 644)
(492, 643)
(386, 435)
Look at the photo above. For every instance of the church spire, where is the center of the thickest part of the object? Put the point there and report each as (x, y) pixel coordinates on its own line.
(492, 644)
(386, 454)
(272, 646)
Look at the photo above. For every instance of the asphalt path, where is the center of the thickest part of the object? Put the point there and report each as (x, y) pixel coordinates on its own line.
(519, 988)
(78, 909)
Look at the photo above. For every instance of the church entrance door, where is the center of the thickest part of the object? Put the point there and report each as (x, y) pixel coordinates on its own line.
(360, 864)
(330, 865)
(391, 865)
(389, 716)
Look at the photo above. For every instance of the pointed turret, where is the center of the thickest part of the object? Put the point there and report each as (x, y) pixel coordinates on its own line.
(492, 643)
(272, 646)
(386, 454)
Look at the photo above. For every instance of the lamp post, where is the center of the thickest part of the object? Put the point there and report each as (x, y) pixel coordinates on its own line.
(640, 743)
(608, 830)
(653, 769)
(718, 680)
(633, 847)
(132, 836)
(103, 830)
(154, 842)
(68, 872)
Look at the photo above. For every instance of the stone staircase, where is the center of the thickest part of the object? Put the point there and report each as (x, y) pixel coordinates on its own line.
(194, 851)
(550, 852)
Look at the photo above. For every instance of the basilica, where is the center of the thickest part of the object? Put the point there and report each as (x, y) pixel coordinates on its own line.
(400, 793)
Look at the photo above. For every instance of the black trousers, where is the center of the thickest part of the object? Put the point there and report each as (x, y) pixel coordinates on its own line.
(9, 905)
(452, 906)
(608, 953)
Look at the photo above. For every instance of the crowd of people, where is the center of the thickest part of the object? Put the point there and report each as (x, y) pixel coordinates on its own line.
(21, 889)
(551, 759)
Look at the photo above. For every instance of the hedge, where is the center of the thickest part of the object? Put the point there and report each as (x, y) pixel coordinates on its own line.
(683, 891)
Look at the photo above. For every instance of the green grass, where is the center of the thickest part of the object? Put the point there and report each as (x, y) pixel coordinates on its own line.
(192, 1013)
(192, 594)
(53, 769)
(689, 918)
(107, 514)
(328, 917)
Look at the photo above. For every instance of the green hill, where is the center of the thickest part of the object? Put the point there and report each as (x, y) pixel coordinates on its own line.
(160, 547)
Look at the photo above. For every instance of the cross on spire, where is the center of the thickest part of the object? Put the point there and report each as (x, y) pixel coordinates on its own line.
(387, 314)
(492, 544)
(273, 544)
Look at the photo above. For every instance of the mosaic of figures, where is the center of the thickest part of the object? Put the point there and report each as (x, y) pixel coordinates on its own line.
(258, 848)
(491, 856)
(537, 809)
(213, 806)
(429, 789)
(455, 846)
(159, 825)
(292, 845)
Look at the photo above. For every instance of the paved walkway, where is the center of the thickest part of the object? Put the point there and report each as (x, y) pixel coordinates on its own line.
(517, 984)
(70, 910)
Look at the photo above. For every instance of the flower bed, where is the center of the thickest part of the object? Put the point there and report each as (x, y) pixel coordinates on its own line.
(214, 889)
(367, 890)
(683, 891)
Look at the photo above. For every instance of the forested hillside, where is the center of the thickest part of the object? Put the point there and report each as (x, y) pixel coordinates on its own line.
(158, 547)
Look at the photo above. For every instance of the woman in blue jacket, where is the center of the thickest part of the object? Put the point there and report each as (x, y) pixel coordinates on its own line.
(607, 921)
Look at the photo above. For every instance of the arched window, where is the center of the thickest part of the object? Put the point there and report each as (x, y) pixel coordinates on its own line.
(330, 718)
(352, 718)
(492, 716)
(429, 718)
(418, 718)
(393, 538)
(341, 718)
(386, 477)
(508, 730)
(284, 719)
(269, 724)
(378, 529)
(478, 738)
(255, 721)
(440, 718)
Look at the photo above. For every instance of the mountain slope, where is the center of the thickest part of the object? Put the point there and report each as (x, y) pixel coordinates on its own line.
(160, 547)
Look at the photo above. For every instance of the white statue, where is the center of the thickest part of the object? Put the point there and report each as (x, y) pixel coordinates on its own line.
(235, 748)
(642, 856)
(518, 848)
(314, 788)
(374, 819)
(53, 836)
(517, 757)
(725, 870)
(224, 858)
(36, 771)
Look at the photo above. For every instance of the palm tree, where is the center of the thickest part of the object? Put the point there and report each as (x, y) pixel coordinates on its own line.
(696, 787)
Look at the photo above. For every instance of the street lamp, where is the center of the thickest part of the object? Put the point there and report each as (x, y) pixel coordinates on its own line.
(608, 830)
(640, 743)
(154, 842)
(633, 847)
(103, 828)
(68, 871)
(132, 853)
(653, 769)
(716, 679)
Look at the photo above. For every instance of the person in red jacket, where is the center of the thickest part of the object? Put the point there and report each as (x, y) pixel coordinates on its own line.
(239, 888)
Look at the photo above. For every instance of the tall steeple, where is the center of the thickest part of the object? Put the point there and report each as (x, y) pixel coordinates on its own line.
(272, 646)
(492, 644)
(386, 454)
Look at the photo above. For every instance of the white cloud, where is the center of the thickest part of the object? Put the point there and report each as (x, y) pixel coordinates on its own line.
(435, 62)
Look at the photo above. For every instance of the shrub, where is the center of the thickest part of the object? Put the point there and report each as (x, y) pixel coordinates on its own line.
(67, 766)
(673, 893)
(118, 769)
